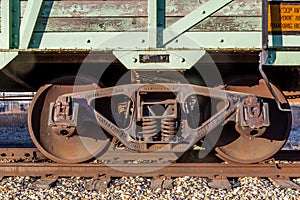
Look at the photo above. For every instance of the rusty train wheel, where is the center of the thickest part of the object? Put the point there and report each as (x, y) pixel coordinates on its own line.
(251, 146)
(88, 140)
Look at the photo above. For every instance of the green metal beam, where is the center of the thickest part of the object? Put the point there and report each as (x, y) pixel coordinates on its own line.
(14, 23)
(161, 21)
(10, 24)
(121, 40)
(174, 59)
(192, 19)
(156, 22)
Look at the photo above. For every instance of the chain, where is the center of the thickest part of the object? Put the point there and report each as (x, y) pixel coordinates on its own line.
(293, 96)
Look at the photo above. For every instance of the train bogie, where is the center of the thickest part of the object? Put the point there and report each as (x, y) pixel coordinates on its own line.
(152, 79)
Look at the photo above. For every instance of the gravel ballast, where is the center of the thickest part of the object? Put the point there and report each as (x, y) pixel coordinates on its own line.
(246, 188)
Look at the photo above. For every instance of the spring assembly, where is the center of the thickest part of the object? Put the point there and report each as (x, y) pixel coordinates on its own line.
(168, 126)
(149, 128)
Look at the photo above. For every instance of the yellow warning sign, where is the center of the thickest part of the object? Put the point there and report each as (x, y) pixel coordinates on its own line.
(284, 18)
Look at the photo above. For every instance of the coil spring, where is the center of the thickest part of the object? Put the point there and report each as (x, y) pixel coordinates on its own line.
(149, 128)
(168, 126)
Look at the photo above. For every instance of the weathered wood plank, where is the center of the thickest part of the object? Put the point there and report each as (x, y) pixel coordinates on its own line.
(112, 8)
(90, 24)
(118, 15)
(140, 24)
(230, 24)
(236, 8)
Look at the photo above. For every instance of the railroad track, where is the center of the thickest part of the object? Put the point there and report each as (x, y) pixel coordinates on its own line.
(151, 170)
(35, 154)
(279, 173)
(31, 164)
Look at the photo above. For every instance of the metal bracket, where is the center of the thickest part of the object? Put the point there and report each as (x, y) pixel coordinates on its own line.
(253, 113)
(271, 58)
(165, 59)
(63, 118)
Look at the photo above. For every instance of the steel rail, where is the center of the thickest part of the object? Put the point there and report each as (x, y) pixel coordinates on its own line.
(34, 153)
(273, 169)
(154, 170)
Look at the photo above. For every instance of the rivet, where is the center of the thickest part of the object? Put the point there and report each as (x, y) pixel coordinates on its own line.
(134, 60)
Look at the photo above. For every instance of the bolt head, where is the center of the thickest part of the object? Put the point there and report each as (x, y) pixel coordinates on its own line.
(134, 60)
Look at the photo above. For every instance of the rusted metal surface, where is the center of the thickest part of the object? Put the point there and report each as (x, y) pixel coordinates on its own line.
(21, 153)
(243, 144)
(35, 154)
(173, 170)
(145, 123)
(57, 145)
(120, 156)
(52, 132)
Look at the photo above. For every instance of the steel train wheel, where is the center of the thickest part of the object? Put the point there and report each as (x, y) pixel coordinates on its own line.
(88, 140)
(251, 146)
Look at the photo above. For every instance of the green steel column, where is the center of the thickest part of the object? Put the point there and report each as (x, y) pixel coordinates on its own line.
(156, 22)
(14, 24)
(161, 22)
